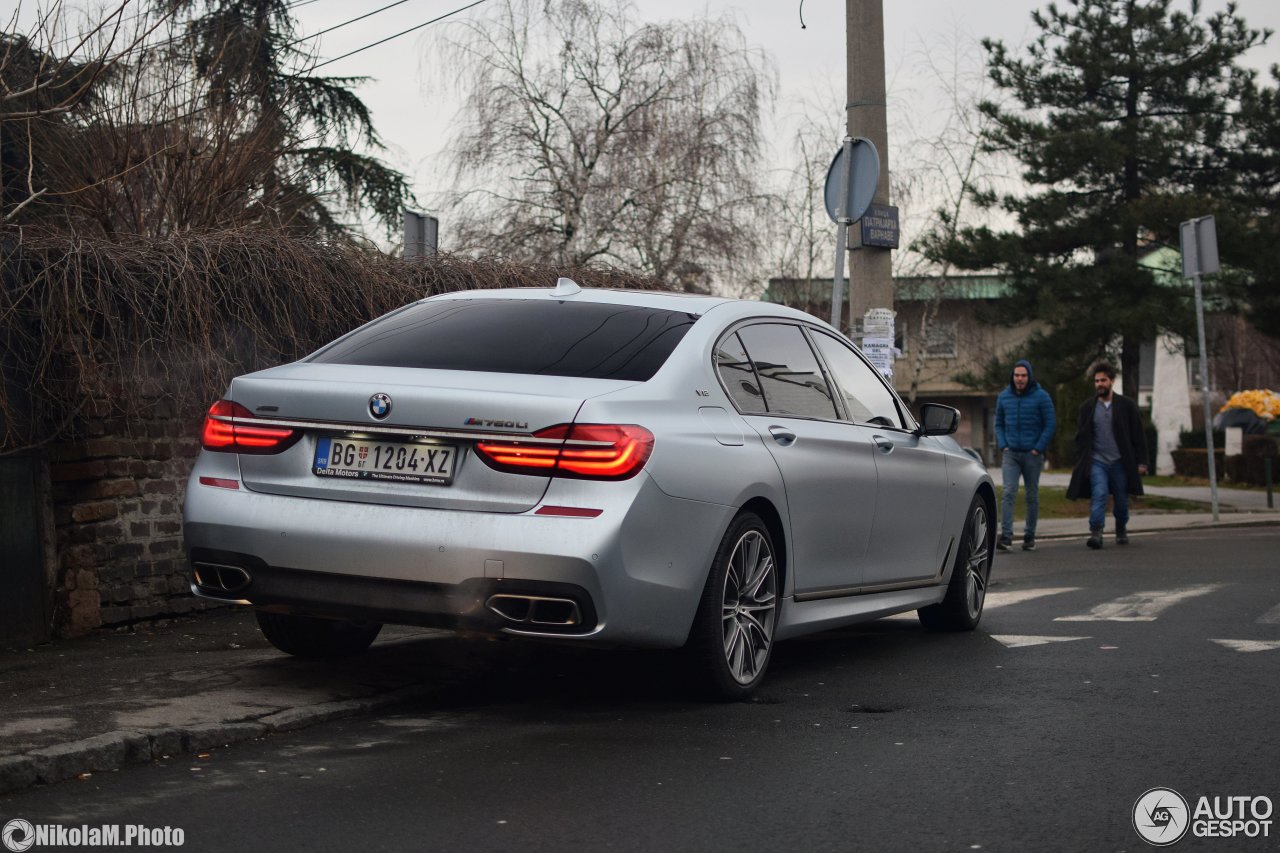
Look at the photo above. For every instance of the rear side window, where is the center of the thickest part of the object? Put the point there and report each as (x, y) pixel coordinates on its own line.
(739, 377)
(578, 339)
(790, 378)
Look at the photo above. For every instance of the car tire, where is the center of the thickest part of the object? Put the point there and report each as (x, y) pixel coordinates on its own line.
(732, 636)
(310, 637)
(961, 608)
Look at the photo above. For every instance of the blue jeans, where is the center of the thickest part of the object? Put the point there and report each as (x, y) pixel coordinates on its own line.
(1028, 465)
(1104, 478)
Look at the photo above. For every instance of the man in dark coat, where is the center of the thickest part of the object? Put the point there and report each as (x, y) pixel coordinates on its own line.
(1113, 455)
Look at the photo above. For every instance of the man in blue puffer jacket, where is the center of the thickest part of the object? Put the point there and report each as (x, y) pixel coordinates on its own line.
(1025, 422)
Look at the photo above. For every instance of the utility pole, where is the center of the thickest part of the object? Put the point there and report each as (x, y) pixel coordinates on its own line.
(870, 271)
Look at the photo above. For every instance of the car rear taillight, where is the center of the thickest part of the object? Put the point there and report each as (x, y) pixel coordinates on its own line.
(584, 451)
(225, 431)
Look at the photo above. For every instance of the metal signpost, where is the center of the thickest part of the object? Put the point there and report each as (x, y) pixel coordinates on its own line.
(850, 186)
(1199, 239)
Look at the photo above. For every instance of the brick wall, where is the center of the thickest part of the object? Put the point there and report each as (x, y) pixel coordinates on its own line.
(116, 500)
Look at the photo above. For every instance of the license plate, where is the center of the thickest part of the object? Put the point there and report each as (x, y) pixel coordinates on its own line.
(396, 461)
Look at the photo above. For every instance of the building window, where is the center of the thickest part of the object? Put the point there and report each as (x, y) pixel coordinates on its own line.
(941, 341)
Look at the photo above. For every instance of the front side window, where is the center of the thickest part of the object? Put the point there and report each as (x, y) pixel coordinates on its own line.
(866, 398)
(790, 378)
(554, 338)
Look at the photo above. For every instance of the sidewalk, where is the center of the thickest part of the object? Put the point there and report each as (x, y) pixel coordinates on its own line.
(97, 703)
(160, 692)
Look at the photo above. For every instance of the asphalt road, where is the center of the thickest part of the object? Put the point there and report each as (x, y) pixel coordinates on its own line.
(1093, 678)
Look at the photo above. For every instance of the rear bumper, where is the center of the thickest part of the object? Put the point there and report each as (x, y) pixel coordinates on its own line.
(636, 571)
(457, 606)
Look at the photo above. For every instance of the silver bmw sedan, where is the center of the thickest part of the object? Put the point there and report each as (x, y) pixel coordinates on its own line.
(598, 466)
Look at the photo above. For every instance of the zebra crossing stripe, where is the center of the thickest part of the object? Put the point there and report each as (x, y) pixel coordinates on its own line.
(1141, 606)
(1004, 599)
(1271, 617)
(1017, 641)
(1249, 645)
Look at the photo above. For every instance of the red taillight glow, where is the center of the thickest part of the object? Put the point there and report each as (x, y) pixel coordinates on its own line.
(585, 451)
(225, 435)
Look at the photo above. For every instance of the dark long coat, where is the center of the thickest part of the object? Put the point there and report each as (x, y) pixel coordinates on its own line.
(1130, 438)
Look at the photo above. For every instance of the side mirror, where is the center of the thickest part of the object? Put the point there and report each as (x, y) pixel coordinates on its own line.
(936, 419)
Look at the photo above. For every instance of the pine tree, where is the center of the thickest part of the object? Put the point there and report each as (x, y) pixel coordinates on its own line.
(1126, 108)
(247, 53)
(1257, 228)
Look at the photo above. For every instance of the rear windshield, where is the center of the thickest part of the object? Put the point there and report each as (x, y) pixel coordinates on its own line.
(582, 339)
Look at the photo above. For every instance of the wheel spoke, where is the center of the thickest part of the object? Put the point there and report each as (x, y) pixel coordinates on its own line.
(753, 625)
(751, 556)
(732, 641)
(978, 580)
(762, 575)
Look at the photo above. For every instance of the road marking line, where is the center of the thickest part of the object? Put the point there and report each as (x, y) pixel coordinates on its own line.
(1249, 645)
(1271, 617)
(1141, 606)
(1017, 641)
(1004, 599)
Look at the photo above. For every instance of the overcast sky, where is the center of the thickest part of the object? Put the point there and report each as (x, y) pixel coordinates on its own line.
(413, 115)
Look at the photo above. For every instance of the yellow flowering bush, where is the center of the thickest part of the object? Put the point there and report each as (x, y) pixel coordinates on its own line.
(1263, 402)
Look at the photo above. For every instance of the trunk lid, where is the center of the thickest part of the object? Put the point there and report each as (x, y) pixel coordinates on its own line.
(428, 435)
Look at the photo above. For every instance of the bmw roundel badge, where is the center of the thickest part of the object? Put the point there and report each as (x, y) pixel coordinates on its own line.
(379, 406)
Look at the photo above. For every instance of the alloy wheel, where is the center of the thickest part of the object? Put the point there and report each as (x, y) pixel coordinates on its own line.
(750, 606)
(978, 566)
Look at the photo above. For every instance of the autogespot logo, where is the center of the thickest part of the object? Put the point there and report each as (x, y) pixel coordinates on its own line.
(18, 835)
(1161, 816)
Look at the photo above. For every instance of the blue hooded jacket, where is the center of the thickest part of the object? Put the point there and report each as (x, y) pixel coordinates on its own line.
(1024, 421)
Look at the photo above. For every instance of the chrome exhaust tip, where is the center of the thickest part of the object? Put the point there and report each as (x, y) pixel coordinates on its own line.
(220, 578)
(535, 609)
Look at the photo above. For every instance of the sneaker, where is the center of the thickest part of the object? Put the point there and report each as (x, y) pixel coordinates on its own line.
(1122, 536)
(1004, 543)
(1095, 540)
(1029, 544)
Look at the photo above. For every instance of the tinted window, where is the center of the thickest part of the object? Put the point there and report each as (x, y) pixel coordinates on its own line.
(789, 374)
(865, 397)
(583, 339)
(738, 377)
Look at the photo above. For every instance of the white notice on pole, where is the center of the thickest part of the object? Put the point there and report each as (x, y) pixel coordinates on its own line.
(877, 339)
(879, 351)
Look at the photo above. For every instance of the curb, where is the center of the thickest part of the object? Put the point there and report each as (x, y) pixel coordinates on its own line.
(114, 750)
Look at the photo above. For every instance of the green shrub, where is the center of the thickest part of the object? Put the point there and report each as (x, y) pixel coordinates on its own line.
(1194, 439)
(1194, 462)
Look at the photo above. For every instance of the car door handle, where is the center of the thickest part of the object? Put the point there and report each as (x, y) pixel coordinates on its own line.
(783, 436)
(885, 445)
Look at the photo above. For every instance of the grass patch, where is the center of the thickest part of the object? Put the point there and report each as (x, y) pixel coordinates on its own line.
(1175, 480)
(1054, 504)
